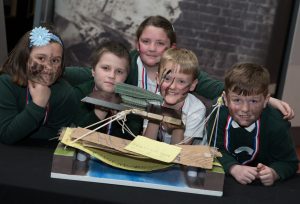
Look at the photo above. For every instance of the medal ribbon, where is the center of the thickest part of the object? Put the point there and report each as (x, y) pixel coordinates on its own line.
(255, 142)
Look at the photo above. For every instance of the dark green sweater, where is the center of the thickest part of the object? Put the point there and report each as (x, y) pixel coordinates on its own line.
(276, 148)
(20, 120)
(86, 115)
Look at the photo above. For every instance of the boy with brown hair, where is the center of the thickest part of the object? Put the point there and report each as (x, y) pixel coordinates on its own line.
(253, 137)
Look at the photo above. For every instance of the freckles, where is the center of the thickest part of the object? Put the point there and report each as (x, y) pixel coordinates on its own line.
(34, 68)
(43, 74)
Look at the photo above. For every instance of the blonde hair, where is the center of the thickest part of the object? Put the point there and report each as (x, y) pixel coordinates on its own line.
(247, 79)
(185, 59)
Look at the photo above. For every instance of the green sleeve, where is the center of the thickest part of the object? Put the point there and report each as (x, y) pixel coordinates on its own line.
(62, 110)
(20, 120)
(77, 75)
(132, 77)
(85, 114)
(285, 161)
(208, 87)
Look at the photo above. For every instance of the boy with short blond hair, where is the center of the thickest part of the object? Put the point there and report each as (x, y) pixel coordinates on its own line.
(177, 77)
(252, 136)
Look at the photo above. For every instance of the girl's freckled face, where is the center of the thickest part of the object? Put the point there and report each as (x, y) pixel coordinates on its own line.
(45, 64)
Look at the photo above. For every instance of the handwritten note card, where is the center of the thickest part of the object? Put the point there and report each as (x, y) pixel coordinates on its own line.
(153, 149)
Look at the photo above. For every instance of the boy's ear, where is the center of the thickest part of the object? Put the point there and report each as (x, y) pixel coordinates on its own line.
(93, 72)
(225, 98)
(173, 45)
(194, 84)
(267, 100)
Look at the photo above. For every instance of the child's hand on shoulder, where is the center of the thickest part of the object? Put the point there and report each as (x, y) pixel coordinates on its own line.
(243, 174)
(283, 107)
(266, 175)
(39, 93)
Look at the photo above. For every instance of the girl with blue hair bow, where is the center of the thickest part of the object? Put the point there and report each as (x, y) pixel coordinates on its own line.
(35, 102)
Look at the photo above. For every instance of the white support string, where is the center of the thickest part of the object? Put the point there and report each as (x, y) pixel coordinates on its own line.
(216, 107)
(126, 128)
(123, 115)
(112, 118)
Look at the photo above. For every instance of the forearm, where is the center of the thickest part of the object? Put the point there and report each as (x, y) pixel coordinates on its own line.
(209, 87)
(178, 136)
(283, 107)
(151, 130)
(285, 170)
(17, 127)
(227, 161)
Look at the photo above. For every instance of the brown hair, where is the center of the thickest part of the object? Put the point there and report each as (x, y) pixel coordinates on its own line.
(247, 79)
(160, 22)
(186, 59)
(115, 48)
(15, 64)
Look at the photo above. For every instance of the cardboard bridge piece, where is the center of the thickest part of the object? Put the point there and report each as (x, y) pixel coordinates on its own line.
(109, 170)
(178, 178)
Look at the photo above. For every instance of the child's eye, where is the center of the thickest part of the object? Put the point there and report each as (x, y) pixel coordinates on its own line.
(56, 61)
(182, 81)
(105, 67)
(161, 43)
(145, 41)
(120, 72)
(42, 59)
(167, 78)
(253, 101)
(236, 100)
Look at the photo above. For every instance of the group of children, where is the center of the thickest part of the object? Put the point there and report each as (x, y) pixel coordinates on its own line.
(36, 101)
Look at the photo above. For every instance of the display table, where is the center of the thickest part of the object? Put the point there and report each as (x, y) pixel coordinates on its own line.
(25, 177)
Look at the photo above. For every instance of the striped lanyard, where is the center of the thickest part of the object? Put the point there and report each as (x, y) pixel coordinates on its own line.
(29, 99)
(255, 142)
(109, 125)
(143, 77)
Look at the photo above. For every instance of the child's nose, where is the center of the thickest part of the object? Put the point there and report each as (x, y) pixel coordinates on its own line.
(48, 65)
(112, 74)
(173, 84)
(245, 106)
(152, 46)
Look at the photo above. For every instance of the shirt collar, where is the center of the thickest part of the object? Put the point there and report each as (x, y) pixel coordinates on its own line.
(250, 128)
